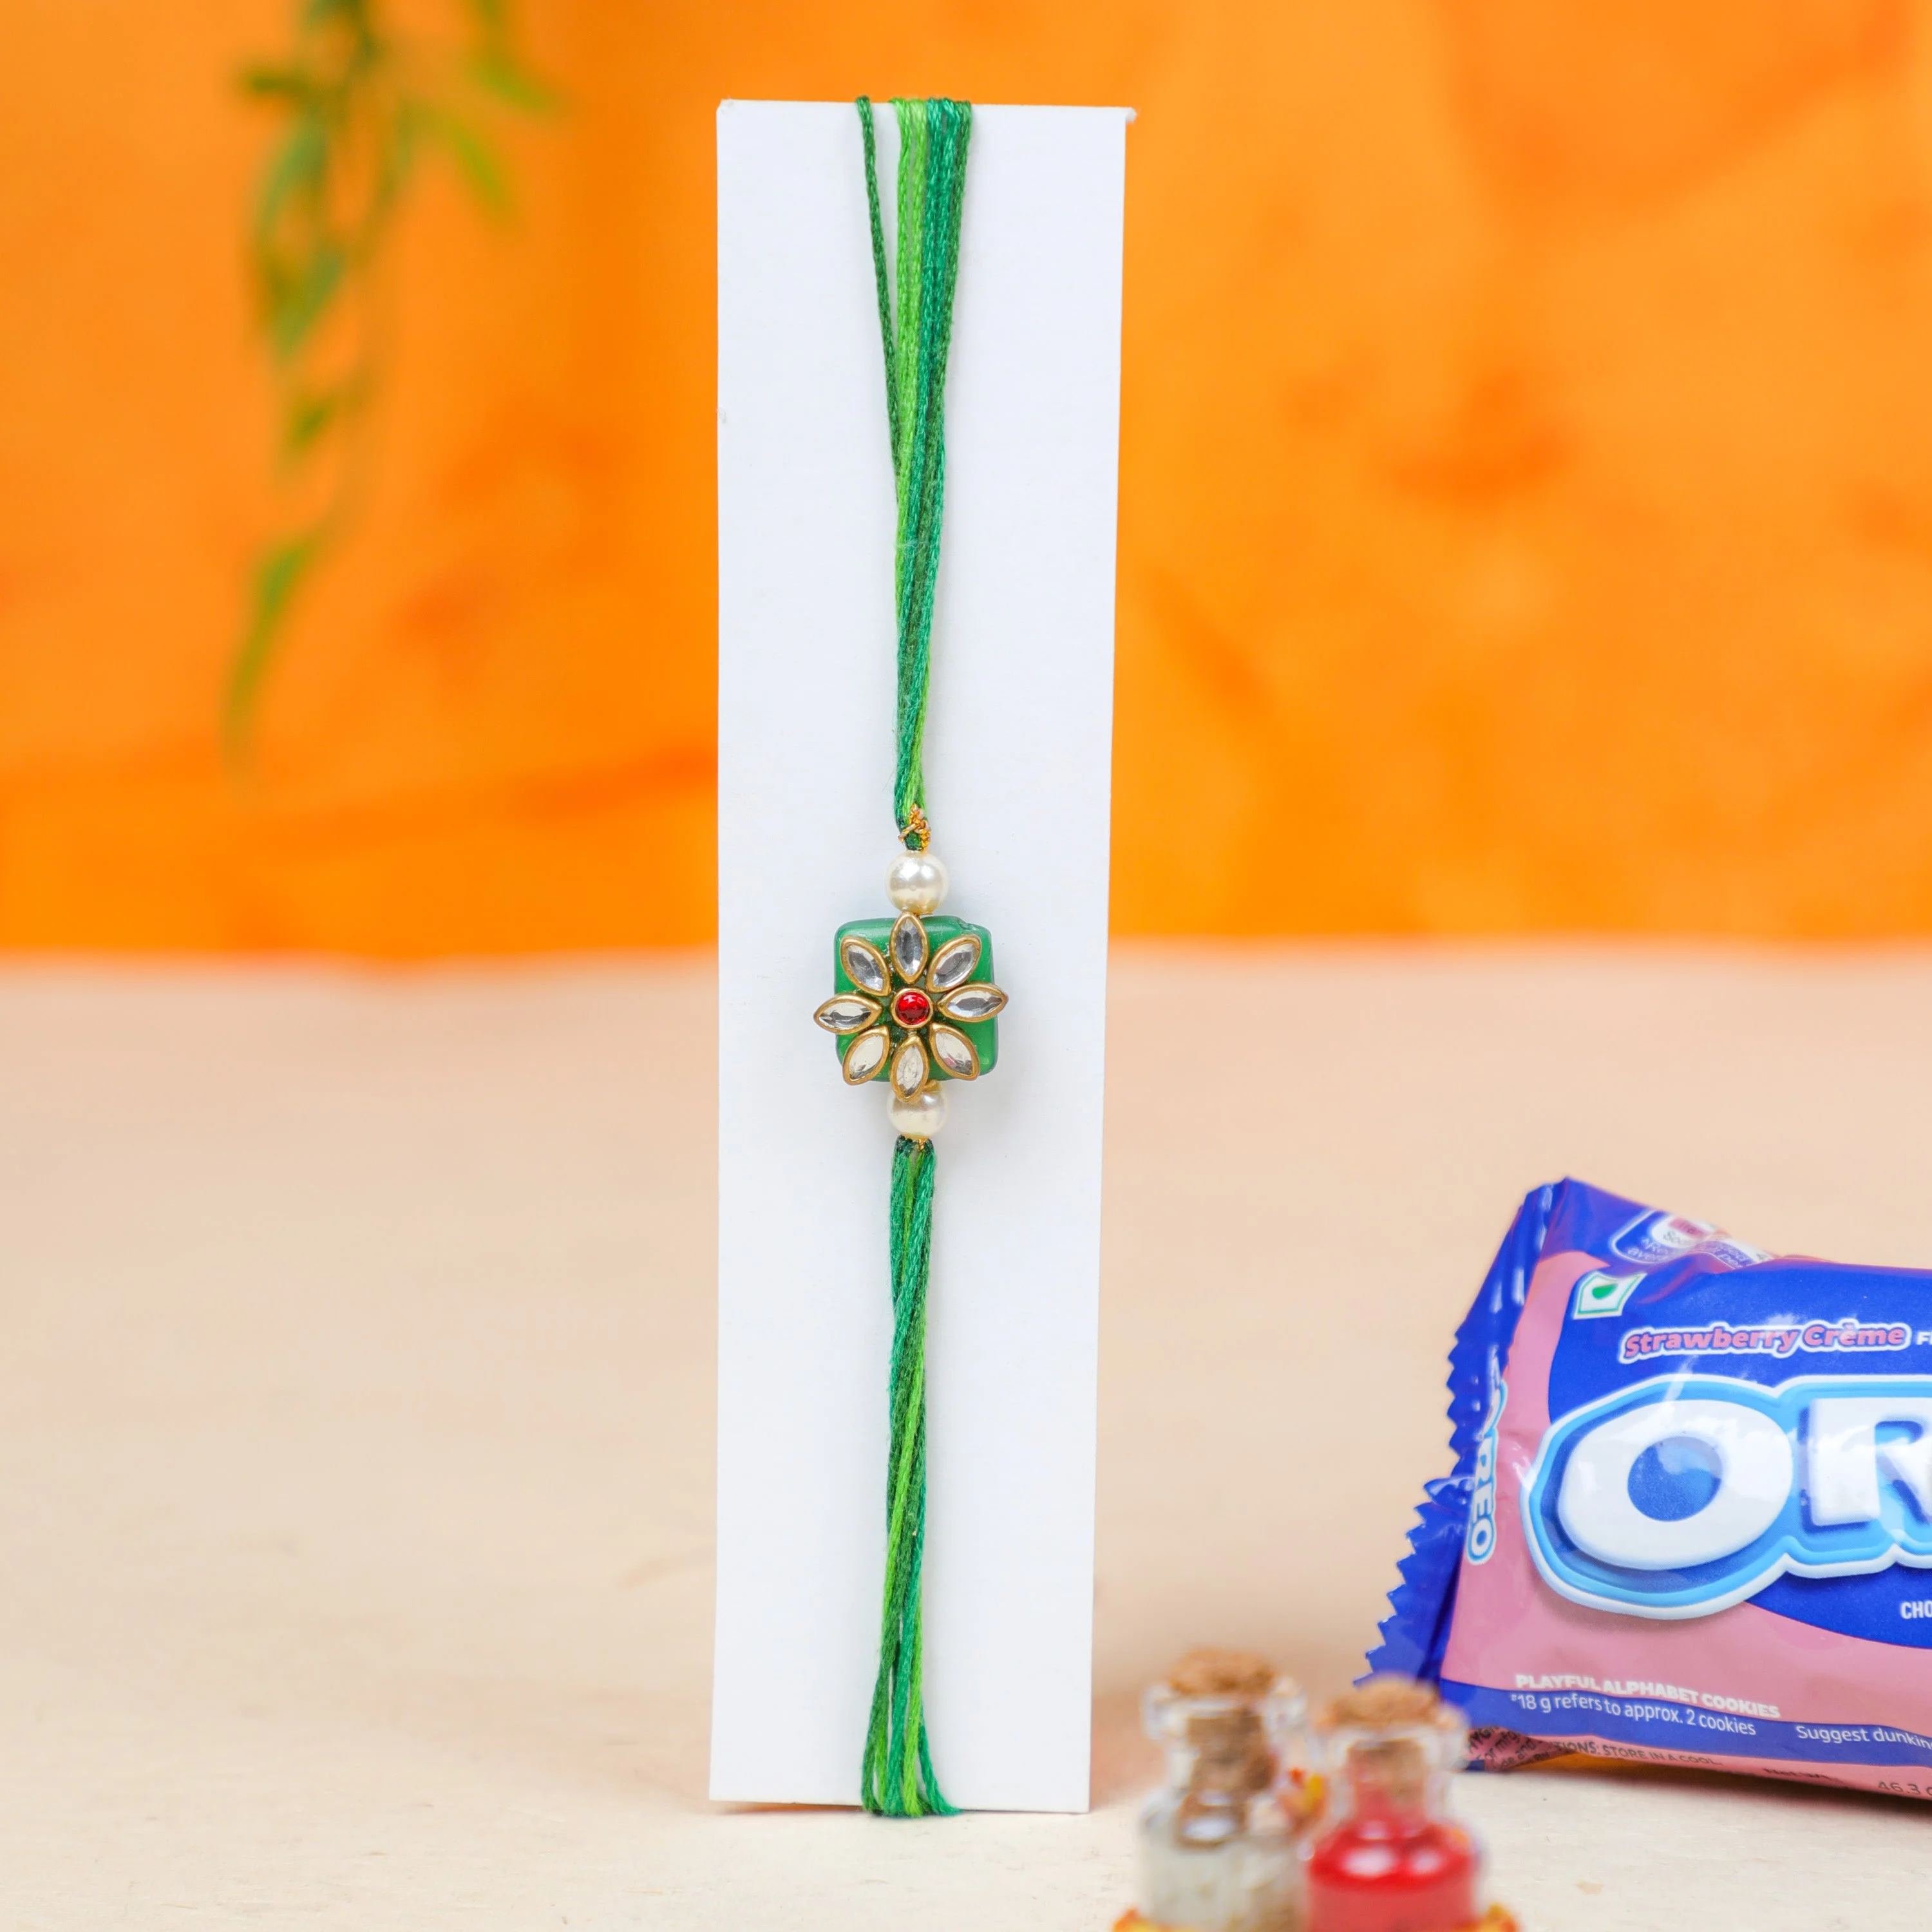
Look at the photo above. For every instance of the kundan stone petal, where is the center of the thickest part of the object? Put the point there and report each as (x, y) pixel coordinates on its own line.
(956, 1053)
(866, 1055)
(954, 963)
(908, 947)
(979, 1001)
(847, 1013)
(865, 964)
(909, 1068)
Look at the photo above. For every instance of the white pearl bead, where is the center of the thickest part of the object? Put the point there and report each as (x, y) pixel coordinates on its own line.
(922, 1117)
(917, 882)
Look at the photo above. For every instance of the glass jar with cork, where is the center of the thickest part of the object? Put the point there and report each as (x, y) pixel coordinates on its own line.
(1218, 1841)
(1389, 1858)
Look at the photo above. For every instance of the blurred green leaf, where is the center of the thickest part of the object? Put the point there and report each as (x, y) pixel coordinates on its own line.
(355, 109)
(355, 14)
(498, 72)
(309, 415)
(402, 144)
(279, 572)
(476, 160)
(297, 170)
(278, 83)
(306, 299)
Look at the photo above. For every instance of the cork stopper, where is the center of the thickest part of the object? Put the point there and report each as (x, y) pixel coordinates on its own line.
(1394, 1770)
(1385, 1699)
(1222, 1673)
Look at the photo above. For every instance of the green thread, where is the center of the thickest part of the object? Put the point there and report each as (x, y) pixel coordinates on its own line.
(884, 291)
(933, 135)
(897, 1777)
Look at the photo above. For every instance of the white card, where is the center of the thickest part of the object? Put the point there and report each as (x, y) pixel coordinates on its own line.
(1018, 760)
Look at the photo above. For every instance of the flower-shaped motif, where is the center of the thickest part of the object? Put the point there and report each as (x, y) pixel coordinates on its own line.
(910, 1003)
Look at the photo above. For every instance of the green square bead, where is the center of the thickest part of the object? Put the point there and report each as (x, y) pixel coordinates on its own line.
(939, 929)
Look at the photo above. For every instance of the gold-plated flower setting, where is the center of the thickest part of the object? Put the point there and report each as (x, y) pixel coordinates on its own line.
(904, 1019)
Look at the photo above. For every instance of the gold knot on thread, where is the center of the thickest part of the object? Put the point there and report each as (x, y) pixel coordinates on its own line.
(915, 833)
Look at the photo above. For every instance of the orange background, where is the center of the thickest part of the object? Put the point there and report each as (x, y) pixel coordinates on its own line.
(1526, 511)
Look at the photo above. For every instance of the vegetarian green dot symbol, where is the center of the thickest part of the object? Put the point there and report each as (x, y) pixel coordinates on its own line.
(1598, 1293)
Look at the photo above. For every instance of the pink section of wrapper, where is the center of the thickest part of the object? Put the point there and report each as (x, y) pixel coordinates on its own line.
(1513, 1633)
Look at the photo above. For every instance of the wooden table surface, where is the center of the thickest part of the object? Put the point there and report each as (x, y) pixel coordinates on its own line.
(356, 1409)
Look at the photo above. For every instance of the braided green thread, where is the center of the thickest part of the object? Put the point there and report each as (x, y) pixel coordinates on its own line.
(897, 1777)
(933, 135)
(884, 291)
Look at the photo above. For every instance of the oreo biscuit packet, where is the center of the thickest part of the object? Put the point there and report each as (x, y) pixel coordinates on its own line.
(1690, 1519)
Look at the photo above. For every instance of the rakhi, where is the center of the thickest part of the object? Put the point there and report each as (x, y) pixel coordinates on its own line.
(913, 1004)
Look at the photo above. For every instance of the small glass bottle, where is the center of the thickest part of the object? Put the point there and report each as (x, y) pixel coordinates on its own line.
(1217, 1841)
(1387, 1859)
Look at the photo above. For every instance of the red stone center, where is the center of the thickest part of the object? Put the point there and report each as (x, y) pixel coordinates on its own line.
(911, 1008)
